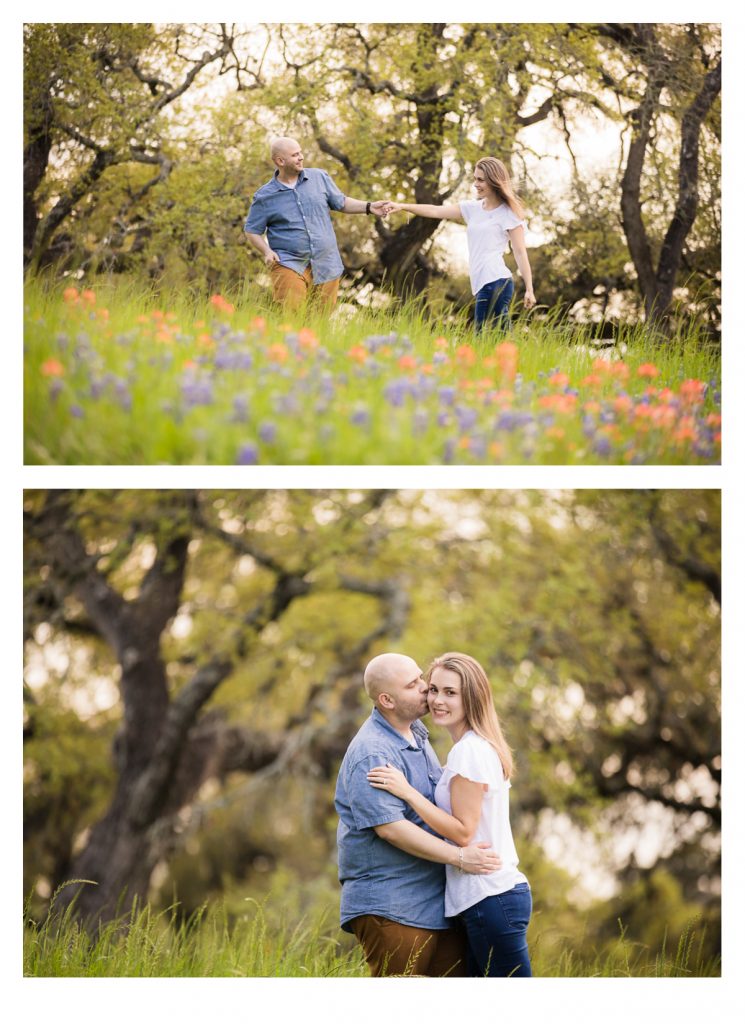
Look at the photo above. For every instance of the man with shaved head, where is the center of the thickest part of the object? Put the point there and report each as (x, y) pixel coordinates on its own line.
(293, 210)
(391, 864)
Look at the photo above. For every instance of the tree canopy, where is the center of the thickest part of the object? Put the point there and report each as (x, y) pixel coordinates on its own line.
(143, 147)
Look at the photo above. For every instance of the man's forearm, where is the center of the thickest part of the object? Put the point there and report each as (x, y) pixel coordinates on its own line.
(259, 242)
(410, 838)
(354, 205)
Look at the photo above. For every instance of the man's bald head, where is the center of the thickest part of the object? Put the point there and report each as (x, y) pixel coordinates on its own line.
(388, 670)
(283, 145)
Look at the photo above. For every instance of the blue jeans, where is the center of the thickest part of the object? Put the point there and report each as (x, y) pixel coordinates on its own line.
(493, 303)
(496, 927)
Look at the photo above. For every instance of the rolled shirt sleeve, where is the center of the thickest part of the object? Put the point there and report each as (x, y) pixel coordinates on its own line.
(370, 806)
(334, 196)
(256, 219)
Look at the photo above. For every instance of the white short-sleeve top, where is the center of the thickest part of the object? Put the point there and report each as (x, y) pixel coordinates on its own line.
(475, 759)
(488, 240)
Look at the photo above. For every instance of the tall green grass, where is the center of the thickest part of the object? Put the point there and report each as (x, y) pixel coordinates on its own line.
(261, 942)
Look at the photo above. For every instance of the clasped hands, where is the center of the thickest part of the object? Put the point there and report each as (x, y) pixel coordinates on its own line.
(382, 207)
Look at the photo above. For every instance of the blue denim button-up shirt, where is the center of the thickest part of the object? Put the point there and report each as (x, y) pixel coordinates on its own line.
(298, 223)
(376, 877)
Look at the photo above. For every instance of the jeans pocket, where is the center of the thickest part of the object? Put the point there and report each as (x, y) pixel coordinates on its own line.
(517, 905)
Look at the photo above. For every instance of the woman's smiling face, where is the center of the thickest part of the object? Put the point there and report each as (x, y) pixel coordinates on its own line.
(481, 185)
(445, 700)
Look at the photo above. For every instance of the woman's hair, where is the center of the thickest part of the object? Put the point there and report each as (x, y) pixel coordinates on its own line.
(498, 177)
(478, 704)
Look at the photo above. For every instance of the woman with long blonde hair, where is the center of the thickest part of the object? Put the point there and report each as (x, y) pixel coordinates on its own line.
(472, 805)
(494, 220)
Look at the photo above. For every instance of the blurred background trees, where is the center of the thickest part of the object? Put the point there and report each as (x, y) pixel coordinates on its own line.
(143, 148)
(193, 676)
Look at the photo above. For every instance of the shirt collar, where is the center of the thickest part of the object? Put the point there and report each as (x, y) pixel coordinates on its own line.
(417, 727)
(280, 184)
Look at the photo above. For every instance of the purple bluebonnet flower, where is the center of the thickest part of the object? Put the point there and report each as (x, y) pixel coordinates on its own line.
(240, 409)
(286, 405)
(589, 427)
(447, 394)
(507, 421)
(375, 341)
(360, 416)
(76, 411)
(396, 391)
(248, 455)
(196, 391)
(424, 385)
(443, 419)
(477, 446)
(124, 397)
(439, 357)
(224, 360)
(602, 446)
(267, 431)
(326, 385)
(54, 389)
(467, 417)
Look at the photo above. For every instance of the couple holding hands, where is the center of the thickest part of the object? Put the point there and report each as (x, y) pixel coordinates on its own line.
(289, 223)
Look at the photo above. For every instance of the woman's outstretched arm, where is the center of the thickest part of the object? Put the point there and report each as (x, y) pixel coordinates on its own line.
(451, 212)
(466, 798)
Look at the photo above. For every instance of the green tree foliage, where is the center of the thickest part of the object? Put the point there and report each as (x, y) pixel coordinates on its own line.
(673, 75)
(596, 615)
(143, 149)
(99, 97)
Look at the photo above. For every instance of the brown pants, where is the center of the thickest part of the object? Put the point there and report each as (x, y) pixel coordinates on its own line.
(394, 949)
(292, 289)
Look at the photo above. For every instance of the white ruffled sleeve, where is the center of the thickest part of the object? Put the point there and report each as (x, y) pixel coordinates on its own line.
(475, 759)
(467, 207)
(511, 220)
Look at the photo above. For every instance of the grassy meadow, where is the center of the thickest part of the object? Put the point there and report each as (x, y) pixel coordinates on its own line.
(117, 375)
(258, 943)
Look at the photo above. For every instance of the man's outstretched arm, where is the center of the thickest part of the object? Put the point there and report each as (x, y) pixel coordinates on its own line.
(478, 859)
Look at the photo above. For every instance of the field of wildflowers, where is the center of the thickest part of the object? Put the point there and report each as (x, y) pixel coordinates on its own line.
(111, 379)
